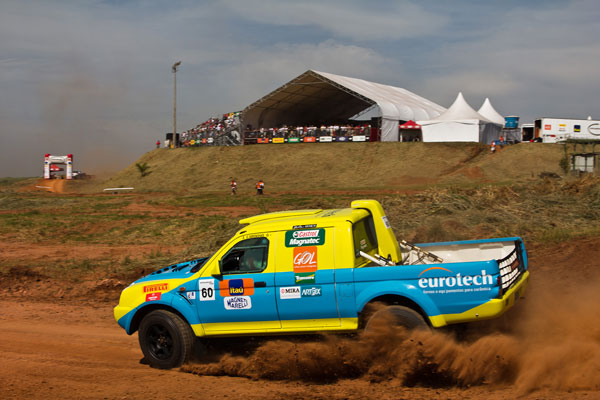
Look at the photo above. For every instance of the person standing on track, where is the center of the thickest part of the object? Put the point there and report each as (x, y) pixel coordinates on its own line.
(260, 185)
(233, 186)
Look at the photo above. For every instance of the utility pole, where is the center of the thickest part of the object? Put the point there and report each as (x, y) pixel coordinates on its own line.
(174, 141)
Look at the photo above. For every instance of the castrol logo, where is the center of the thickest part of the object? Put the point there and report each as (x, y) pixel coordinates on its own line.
(306, 234)
(305, 259)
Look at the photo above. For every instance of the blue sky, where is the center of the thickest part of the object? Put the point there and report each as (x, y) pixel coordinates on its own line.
(93, 78)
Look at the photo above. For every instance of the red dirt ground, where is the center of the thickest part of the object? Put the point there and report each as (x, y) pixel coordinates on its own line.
(547, 347)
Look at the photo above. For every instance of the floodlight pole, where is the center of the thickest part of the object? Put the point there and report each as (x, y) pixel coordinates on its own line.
(174, 138)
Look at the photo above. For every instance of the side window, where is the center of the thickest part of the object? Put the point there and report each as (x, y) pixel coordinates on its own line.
(365, 239)
(247, 256)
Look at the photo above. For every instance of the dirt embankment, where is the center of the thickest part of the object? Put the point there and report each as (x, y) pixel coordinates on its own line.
(336, 166)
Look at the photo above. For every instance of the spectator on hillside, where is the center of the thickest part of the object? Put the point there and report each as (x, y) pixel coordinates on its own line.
(260, 185)
(158, 144)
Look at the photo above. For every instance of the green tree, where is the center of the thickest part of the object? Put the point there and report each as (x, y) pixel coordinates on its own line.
(143, 168)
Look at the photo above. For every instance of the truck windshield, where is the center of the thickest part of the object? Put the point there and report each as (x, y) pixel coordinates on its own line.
(364, 238)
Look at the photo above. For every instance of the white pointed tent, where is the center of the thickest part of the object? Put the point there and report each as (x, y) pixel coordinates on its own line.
(489, 112)
(460, 123)
(320, 96)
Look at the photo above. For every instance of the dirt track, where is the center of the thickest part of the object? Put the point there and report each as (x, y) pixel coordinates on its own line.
(73, 349)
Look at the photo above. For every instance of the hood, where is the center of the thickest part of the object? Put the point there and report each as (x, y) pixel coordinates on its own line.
(176, 271)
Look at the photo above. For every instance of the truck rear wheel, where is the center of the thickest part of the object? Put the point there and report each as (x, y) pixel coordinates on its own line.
(166, 340)
(396, 316)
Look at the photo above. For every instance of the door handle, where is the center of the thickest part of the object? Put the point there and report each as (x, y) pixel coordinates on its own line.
(260, 284)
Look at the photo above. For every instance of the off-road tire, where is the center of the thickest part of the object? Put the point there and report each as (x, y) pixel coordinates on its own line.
(399, 316)
(166, 340)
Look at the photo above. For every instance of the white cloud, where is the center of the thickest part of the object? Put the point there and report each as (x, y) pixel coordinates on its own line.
(400, 19)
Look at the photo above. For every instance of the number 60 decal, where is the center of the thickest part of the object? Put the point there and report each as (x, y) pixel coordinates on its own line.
(206, 289)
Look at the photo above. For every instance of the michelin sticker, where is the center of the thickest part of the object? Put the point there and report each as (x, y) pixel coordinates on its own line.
(237, 303)
(292, 292)
(206, 289)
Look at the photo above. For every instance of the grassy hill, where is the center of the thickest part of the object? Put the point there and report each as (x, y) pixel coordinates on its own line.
(336, 167)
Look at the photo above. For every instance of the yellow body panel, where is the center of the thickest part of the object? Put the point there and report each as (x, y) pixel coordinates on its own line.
(260, 327)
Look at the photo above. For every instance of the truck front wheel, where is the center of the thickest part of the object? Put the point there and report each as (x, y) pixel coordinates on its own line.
(165, 339)
(396, 316)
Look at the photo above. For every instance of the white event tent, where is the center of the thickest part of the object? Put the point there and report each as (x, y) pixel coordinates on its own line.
(460, 123)
(489, 112)
(320, 96)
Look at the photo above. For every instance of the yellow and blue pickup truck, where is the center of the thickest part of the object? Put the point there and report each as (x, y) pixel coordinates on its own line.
(311, 271)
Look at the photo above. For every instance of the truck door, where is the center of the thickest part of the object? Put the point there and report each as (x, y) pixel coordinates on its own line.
(242, 296)
(305, 279)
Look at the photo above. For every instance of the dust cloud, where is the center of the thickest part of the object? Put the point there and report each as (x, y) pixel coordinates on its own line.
(550, 339)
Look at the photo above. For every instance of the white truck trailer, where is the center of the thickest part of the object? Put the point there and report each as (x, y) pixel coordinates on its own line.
(555, 130)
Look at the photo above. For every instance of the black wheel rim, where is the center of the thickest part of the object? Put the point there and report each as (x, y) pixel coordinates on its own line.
(160, 342)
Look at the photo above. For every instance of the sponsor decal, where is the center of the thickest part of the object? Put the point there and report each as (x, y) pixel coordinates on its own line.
(153, 296)
(594, 129)
(386, 222)
(308, 139)
(258, 235)
(562, 127)
(363, 244)
(313, 291)
(206, 289)
(311, 237)
(305, 259)
(191, 295)
(278, 140)
(577, 128)
(292, 292)
(359, 138)
(324, 139)
(294, 140)
(341, 138)
(263, 140)
(454, 284)
(236, 287)
(307, 226)
(156, 288)
(548, 127)
(304, 278)
(237, 303)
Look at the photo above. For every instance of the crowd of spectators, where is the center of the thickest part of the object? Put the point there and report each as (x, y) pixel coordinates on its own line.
(225, 131)
(222, 131)
(349, 130)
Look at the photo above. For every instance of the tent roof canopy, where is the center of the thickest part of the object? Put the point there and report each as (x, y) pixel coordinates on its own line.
(410, 125)
(459, 112)
(315, 97)
(489, 112)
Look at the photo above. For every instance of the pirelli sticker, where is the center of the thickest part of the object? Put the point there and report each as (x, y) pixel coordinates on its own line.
(159, 287)
(305, 237)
